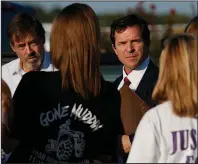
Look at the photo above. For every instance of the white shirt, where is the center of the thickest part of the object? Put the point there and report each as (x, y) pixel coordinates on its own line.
(159, 137)
(136, 75)
(12, 71)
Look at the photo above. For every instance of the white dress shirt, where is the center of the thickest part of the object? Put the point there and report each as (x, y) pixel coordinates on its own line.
(12, 71)
(163, 137)
(136, 75)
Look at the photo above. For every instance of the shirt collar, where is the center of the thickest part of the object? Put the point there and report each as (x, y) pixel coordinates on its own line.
(141, 67)
(18, 69)
(136, 75)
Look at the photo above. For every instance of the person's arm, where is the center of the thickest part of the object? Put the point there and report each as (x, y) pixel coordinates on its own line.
(113, 145)
(23, 100)
(145, 148)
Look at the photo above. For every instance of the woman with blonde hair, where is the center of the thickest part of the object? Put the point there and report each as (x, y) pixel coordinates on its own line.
(168, 132)
(71, 115)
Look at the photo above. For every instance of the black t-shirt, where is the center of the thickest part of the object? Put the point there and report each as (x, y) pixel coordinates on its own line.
(56, 126)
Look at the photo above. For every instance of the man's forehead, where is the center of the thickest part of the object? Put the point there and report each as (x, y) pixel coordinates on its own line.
(129, 29)
(24, 38)
(127, 35)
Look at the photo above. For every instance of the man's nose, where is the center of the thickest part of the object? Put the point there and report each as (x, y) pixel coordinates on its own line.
(28, 49)
(130, 47)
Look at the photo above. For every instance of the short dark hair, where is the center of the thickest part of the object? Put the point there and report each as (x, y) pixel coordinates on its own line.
(23, 24)
(122, 23)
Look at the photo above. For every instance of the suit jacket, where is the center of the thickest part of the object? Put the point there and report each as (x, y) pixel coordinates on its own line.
(146, 85)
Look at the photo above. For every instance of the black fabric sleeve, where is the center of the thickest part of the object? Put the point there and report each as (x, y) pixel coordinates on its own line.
(22, 101)
(118, 128)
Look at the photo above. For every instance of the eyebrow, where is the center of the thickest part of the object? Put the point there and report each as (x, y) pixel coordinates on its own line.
(31, 41)
(19, 44)
(134, 39)
(122, 41)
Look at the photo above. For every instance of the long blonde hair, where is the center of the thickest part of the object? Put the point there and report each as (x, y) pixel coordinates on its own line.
(75, 49)
(177, 80)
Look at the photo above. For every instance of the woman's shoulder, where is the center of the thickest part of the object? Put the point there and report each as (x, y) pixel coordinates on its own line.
(159, 112)
(109, 85)
(39, 75)
(161, 108)
(36, 80)
(108, 88)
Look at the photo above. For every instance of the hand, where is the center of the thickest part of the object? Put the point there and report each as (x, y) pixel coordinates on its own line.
(126, 143)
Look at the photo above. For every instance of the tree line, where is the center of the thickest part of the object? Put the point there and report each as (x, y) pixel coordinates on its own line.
(106, 18)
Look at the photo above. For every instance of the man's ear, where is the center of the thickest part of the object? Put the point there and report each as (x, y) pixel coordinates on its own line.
(13, 49)
(114, 49)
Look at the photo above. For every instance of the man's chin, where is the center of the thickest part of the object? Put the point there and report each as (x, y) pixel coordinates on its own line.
(33, 60)
(34, 66)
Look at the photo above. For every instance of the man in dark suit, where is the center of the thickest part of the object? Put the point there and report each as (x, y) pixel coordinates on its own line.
(130, 38)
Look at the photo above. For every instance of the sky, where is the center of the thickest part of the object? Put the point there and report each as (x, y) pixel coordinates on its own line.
(118, 6)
